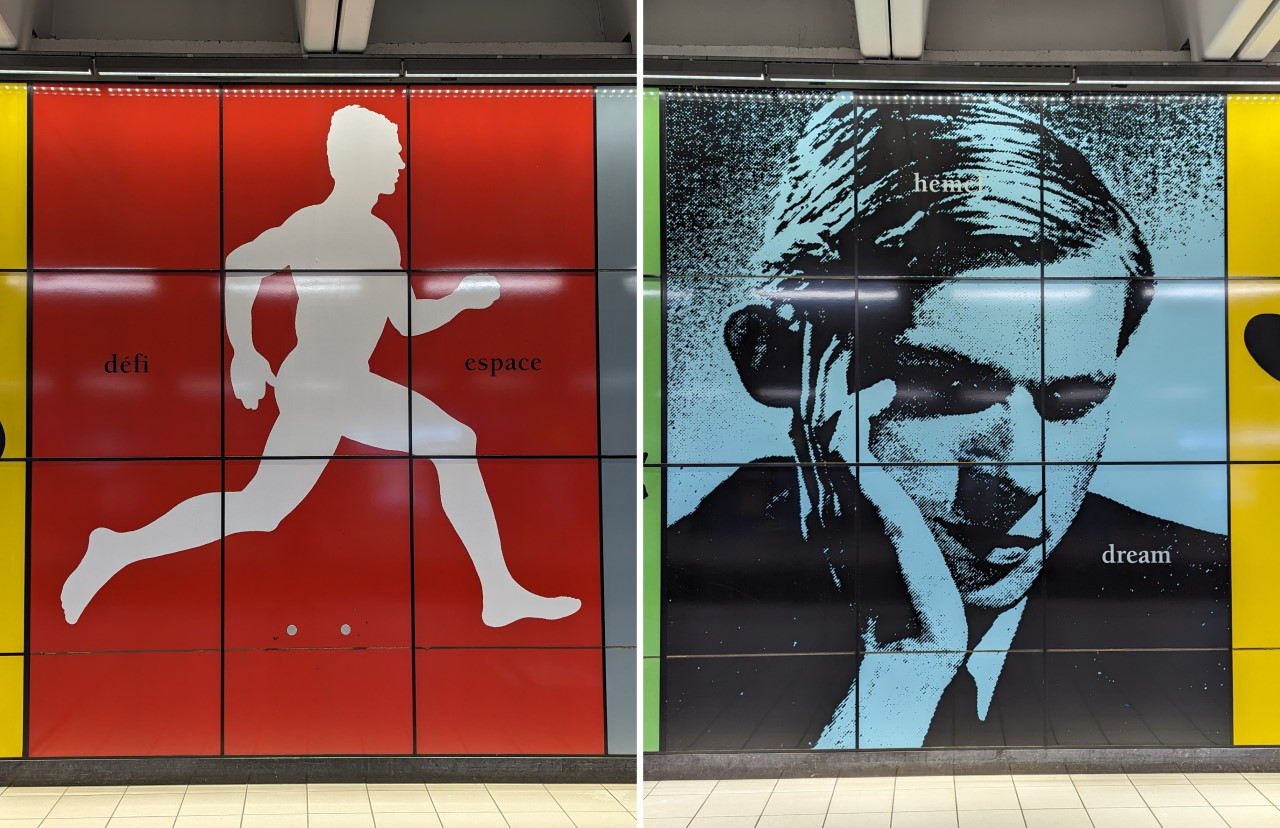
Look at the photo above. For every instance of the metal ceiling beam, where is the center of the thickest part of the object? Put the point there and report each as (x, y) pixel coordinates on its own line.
(353, 26)
(317, 24)
(908, 20)
(15, 22)
(1217, 28)
(872, 18)
(1264, 37)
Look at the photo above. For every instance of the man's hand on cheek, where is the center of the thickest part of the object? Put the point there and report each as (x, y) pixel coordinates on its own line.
(900, 682)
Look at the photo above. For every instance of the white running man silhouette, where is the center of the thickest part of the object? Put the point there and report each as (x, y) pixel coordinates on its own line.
(325, 390)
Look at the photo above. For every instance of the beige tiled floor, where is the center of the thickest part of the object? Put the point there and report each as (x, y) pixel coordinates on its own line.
(1164, 800)
(321, 806)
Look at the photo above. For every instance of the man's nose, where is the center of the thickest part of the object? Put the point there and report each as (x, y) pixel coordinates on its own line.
(1025, 427)
(994, 496)
(1007, 432)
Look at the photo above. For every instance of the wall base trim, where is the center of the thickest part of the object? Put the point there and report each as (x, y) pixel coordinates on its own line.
(239, 770)
(959, 761)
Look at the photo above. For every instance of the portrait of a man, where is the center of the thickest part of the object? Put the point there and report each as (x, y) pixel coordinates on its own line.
(945, 298)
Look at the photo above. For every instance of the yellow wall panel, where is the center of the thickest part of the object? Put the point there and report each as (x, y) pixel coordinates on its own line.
(1255, 394)
(10, 705)
(13, 363)
(13, 544)
(13, 176)
(1255, 676)
(1255, 566)
(1253, 179)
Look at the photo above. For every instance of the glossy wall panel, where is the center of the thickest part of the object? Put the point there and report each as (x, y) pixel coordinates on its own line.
(125, 704)
(961, 431)
(316, 460)
(13, 547)
(1252, 176)
(13, 176)
(152, 148)
(1253, 317)
(524, 385)
(128, 365)
(489, 196)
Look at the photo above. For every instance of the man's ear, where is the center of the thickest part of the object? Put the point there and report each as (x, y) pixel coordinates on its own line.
(768, 353)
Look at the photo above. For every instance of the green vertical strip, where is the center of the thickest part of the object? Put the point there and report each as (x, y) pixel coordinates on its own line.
(652, 411)
(652, 561)
(652, 704)
(652, 380)
(652, 640)
(652, 188)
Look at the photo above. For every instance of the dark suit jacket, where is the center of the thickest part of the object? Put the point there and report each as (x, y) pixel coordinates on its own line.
(761, 629)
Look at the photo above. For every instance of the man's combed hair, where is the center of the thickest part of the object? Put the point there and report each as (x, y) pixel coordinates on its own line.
(848, 201)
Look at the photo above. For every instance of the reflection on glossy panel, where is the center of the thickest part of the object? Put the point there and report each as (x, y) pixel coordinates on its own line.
(125, 704)
(313, 178)
(514, 376)
(1137, 699)
(317, 364)
(503, 178)
(1127, 575)
(11, 705)
(134, 564)
(13, 176)
(1253, 175)
(125, 365)
(128, 177)
(317, 553)
(1135, 372)
(1143, 172)
(521, 701)
(319, 702)
(1254, 676)
(1253, 348)
(507, 553)
(1255, 566)
(13, 555)
(13, 364)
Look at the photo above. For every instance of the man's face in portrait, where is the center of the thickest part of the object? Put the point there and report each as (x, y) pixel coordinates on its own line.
(971, 397)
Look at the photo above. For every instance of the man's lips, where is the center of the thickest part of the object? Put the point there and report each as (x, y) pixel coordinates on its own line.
(981, 540)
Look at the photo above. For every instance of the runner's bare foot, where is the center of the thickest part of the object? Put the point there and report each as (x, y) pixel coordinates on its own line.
(524, 604)
(101, 561)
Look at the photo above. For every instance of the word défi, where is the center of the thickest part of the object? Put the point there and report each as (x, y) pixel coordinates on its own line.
(972, 184)
(1154, 556)
(136, 364)
(497, 365)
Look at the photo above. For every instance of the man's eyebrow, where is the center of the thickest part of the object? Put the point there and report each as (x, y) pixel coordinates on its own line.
(917, 355)
(1097, 377)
